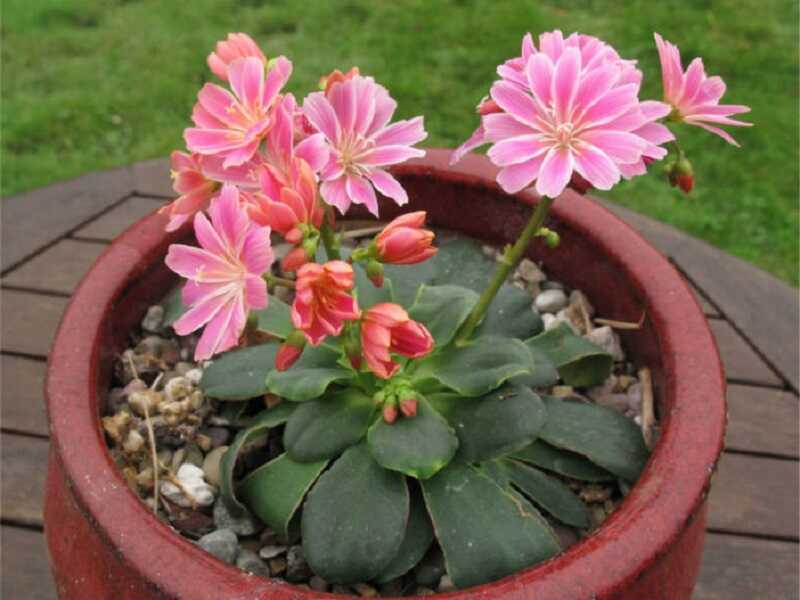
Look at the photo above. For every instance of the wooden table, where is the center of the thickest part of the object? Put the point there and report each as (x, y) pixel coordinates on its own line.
(52, 235)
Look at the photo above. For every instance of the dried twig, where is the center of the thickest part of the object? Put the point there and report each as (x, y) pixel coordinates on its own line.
(152, 437)
(648, 410)
(621, 324)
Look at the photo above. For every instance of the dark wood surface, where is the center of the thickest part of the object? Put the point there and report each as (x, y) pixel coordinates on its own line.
(50, 237)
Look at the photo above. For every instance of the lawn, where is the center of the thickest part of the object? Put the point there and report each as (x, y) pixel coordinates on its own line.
(89, 84)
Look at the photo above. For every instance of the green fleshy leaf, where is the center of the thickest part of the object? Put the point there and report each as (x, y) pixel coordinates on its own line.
(511, 314)
(419, 446)
(258, 428)
(462, 262)
(417, 540)
(326, 427)
(442, 309)
(563, 462)
(354, 519)
(477, 368)
(407, 279)
(543, 372)
(549, 494)
(240, 374)
(310, 376)
(367, 294)
(275, 490)
(173, 307)
(276, 319)
(602, 435)
(485, 532)
(501, 422)
(579, 361)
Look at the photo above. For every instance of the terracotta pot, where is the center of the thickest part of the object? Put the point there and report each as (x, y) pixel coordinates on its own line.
(104, 543)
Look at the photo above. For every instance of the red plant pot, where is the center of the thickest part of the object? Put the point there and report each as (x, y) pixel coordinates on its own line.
(104, 543)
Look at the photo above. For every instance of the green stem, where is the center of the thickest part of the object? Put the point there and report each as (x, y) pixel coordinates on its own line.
(509, 261)
(328, 236)
(273, 280)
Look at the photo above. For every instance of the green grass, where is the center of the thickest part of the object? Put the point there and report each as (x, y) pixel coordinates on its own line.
(90, 84)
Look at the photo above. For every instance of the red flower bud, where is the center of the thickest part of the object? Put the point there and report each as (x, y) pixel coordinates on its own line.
(290, 350)
(295, 259)
(404, 241)
(682, 175)
(294, 236)
(409, 407)
(390, 413)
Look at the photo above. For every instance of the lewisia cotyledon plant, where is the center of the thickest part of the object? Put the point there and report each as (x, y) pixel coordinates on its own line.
(408, 410)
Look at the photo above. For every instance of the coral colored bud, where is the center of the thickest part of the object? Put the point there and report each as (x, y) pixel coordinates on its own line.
(295, 259)
(294, 236)
(375, 273)
(488, 106)
(336, 76)
(404, 241)
(390, 413)
(682, 175)
(290, 350)
(409, 407)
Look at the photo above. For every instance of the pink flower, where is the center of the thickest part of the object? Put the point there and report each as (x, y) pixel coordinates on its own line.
(197, 180)
(353, 117)
(693, 96)
(404, 241)
(224, 274)
(387, 328)
(237, 45)
(322, 301)
(233, 125)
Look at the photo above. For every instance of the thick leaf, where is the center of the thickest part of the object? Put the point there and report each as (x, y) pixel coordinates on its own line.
(543, 372)
(240, 374)
(462, 262)
(479, 367)
(602, 435)
(326, 427)
(310, 376)
(257, 428)
(407, 279)
(549, 493)
(579, 361)
(511, 314)
(275, 490)
(501, 422)
(366, 293)
(417, 540)
(354, 520)
(173, 307)
(563, 462)
(442, 309)
(276, 319)
(418, 446)
(485, 532)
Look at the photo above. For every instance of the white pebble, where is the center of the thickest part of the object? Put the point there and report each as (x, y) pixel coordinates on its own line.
(194, 376)
(191, 478)
(178, 388)
(551, 301)
(607, 339)
(154, 319)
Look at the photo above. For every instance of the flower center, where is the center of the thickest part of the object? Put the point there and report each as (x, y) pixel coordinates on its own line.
(563, 134)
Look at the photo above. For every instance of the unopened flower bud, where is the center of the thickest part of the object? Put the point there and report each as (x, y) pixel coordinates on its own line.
(294, 259)
(552, 239)
(294, 236)
(290, 350)
(681, 174)
(375, 273)
(390, 413)
(409, 407)
(487, 106)
(404, 241)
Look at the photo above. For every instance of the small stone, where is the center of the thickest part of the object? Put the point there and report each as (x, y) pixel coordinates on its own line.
(145, 400)
(194, 375)
(134, 442)
(530, 272)
(154, 319)
(203, 441)
(562, 391)
(297, 568)
(489, 251)
(624, 382)
(117, 426)
(551, 301)
(221, 543)
(193, 523)
(618, 402)
(577, 298)
(240, 525)
(211, 465)
(552, 321)
(177, 458)
(144, 479)
(272, 551)
(595, 493)
(177, 389)
(250, 562)
(277, 566)
(219, 436)
(318, 584)
(552, 284)
(269, 538)
(607, 340)
(152, 345)
(193, 485)
(365, 590)
(446, 584)
(634, 395)
(182, 368)
(194, 456)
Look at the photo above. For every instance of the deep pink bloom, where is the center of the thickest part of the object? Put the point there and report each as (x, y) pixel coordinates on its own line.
(353, 116)
(197, 179)
(224, 274)
(386, 328)
(695, 97)
(237, 45)
(404, 241)
(233, 125)
(323, 301)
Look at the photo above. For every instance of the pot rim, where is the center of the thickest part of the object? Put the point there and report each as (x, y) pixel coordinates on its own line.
(652, 516)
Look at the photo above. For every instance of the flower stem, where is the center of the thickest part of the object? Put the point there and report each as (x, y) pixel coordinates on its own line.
(273, 280)
(328, 236)
(508, 262)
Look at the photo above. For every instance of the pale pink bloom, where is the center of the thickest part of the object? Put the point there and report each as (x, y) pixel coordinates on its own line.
(353, 116)
(404, 241)
(323, 301)
(232, 125)
(694, 96)
(224, 274)
(237, 45)
(197, 179)
(385, 329)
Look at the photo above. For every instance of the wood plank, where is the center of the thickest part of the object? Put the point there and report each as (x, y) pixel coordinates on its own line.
(26, 569)
(705, 305)
(762, 306)
(756, 496)
(114, 222)
(57, 269)
(742, 364)
(151, 178)
(23, 468)
(23, 395)
(30, 321)
(740, 567)
(763, 420)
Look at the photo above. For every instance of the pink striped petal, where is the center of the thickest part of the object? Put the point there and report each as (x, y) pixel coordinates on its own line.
(207, 237)
(334, 192)
(195, 263)
(517, 149)
(478, 138)
(211, 141)
(388, 155)
(223, 331)
(322, 116)
(200, 314)
(388, 186)
(314, 151)
(620, 146)
(361, 192)
(653, 110)
(539, 74)
(610, 106)
(692, 80)
(720, 132)
(216, 101)
(517, 177)
(565, 83)
(228, 219)
(277, 77)
(384, 109)
(402, 133)
(257, 253)
(555, 172)
(242, 154)
(515, 102)
(246, 77)
(500, 126)
(596, 167)
(343, 100)
(255, 292)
